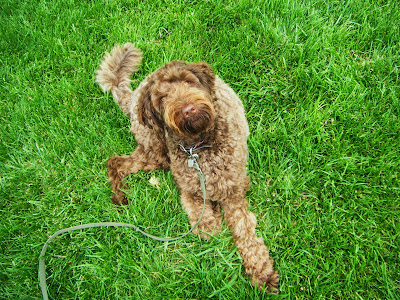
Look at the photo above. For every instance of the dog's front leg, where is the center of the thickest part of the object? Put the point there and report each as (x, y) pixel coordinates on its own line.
(252, 249)
(211, 221)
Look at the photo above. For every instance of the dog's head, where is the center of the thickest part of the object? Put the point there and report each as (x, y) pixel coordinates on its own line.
(179, 96)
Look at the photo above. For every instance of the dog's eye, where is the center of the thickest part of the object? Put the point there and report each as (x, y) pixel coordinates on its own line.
(188, 83)
(162, 99)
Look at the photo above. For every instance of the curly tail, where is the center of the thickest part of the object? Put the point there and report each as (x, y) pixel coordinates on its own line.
(115, 70)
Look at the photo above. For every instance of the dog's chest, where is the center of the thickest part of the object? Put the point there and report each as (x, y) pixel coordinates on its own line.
(222, 175)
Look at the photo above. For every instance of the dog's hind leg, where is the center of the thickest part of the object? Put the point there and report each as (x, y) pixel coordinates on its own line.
(141, 159)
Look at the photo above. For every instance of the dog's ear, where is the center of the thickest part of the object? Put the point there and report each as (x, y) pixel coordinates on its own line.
(204, 73)
(147, 114)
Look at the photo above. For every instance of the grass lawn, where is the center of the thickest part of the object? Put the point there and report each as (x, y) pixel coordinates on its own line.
(320, 84)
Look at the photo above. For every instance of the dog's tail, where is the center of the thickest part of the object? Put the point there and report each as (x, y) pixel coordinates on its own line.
(115, 70)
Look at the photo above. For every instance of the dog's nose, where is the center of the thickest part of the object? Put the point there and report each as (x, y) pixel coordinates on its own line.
(189, 110)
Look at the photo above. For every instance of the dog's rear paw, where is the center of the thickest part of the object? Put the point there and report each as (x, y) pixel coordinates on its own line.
(119, 198)
(115, 176)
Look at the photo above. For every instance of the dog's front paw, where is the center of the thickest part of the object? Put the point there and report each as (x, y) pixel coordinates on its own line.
(206, 229)
(266, 279)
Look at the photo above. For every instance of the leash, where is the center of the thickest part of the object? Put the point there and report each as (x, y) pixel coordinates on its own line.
(192, 163)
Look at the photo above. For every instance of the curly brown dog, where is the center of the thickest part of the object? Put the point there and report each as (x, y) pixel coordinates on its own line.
(187, 104)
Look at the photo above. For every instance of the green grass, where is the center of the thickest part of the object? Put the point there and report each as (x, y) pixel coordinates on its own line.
(320, 84)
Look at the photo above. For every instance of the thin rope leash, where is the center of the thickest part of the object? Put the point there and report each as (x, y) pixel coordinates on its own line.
(192, 163)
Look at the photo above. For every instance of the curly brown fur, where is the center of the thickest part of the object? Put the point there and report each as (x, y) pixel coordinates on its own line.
(115, 70)
(184, 104)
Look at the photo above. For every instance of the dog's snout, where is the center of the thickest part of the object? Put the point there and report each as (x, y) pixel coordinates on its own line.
(189, 110)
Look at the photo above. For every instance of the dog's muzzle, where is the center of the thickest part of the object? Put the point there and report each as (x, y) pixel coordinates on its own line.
(190, 117)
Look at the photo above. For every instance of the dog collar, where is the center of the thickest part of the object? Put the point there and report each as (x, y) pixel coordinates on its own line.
(190, 150)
